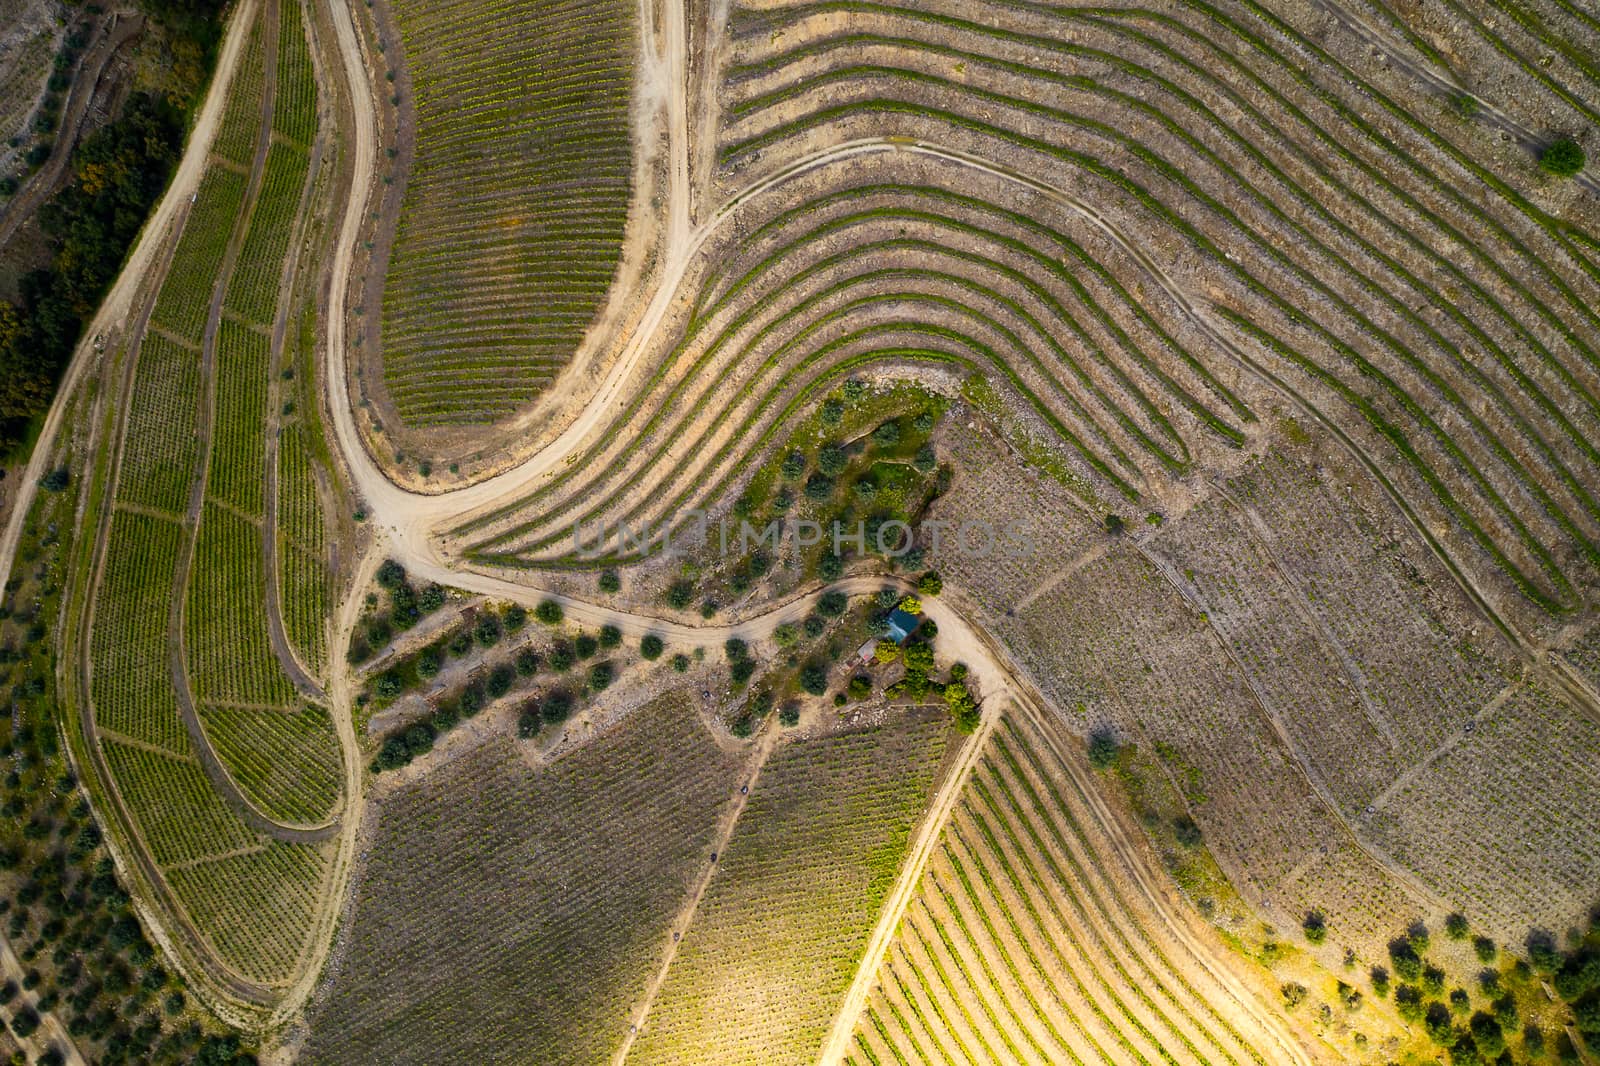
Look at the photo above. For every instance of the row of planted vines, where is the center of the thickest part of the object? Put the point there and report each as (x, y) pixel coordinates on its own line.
(489, 292)
(205, 732)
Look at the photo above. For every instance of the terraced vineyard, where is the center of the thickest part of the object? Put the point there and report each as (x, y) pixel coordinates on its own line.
(1029, 940)
(1272, 328)
(578, 868)
(810, 865)
(210, 745)
(488, 293)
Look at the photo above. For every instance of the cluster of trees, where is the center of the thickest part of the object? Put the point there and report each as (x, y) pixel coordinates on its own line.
(119, 172)
(86, 956)
(406, 607)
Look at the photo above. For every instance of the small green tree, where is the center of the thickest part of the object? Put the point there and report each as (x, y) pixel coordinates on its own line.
(549, 612)
(651, 646)
(1455, 926)
(1563, 158)
(1103, 750)
(1315, 927)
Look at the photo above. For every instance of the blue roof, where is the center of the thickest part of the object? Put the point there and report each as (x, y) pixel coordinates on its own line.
(902, 625)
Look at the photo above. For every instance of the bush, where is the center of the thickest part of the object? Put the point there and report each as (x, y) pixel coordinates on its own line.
(680, 594)
(680, 663)
(515, 617)
(829, 567)
(1440, 1026)
(1408, 1001)
(529, 721)
(860, 687)
(561, 657)
(25, 1023)
(556, 707)
(527, 662)
(601, 675)
(931, 584)
(742, 726)
(819, 486)
(832, 459)
(1486, 949)
(549, 612)
(56, 480)
(1380, 982)
(1432, 980)
(430, 661)
(1407, 963)
(832, 412)
(430, 599)
(1102, 750)
(1562, 158)
(1293, 994)
(586, 645)
(499, 682)
(391, 575)
(1487, 1034)
(1187, 832)
(1455, 926)
(887, 435)
(736, 649)
(789, 715)
(487, 631)
(651, 647)
(610, 581)
(814, 678)
(794, 464)
(926, 459)
(610, 636)
(1315, 927)
(833, 603)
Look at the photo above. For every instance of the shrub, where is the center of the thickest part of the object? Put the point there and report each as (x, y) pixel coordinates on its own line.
(1486, 949)
(529, 721)
(1407, 963)
(561, 657)
(1487, 1034)
(1408, 1001)
(487, 631)
(1315, 927)
(391, 574)
(736, 649)
(1505, 1011)
(1102, 750)
(1533, 1040)
(388, 685)
(549, 612)
(429, 661)
(832, 603)
(1562, 158)
(610, 581)
(832, 412)
(680, 594)
(527, 662)
(926, 459)
(814, 678)
(786, 634)
(601, 675)
(1460, 1002)
(1187, 832)
(860, 687)
(610, 636)
(832, 459)
(819, 486)
(556, 707)
(1455, 926)
(813, 626)
(651, 647)
(430, 599)
(1432, 980)
(742, 670)
(1293, 994)
(794, 464)
(1380, 982)
(1438, 1023)
(931, 584)
(742, 726)
(499, 682)
(789, 715)
(56, 480)
(515, 618)
(586, 645)
(911, 605)
(680, 663)
(886, 652)
(887, 435)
